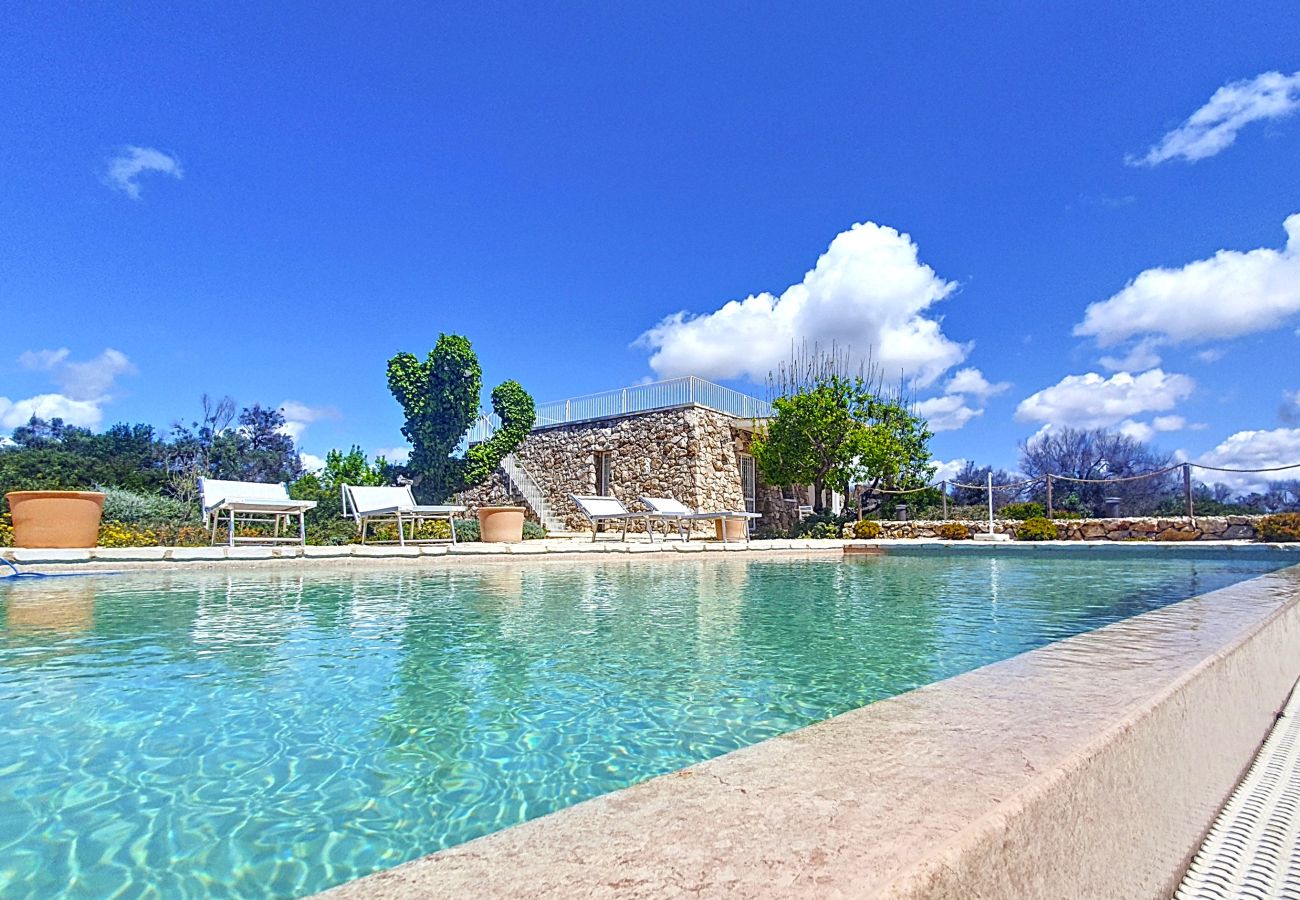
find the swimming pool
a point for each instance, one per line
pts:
(266, 733)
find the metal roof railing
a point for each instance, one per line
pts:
(639, 398)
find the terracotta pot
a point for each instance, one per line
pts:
(501, 524)
(55, 518)
(735, 529)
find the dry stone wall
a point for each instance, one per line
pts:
(689, 453)
(1202, 528)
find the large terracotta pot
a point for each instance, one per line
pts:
(55, 518)
(501, 524)
(735, 529)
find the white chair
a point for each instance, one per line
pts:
(252, 502)
(666, 509)
(606, 509)
(370, 505)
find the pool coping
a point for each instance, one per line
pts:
(1049, 774)
(134, 558)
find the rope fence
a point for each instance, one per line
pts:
(1048, 479)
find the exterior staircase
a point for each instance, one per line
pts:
(520, 482)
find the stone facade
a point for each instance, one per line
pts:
(689, 453)
(1202, 528)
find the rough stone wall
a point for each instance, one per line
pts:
(1203, 528)
(688, 453)
(777, 511)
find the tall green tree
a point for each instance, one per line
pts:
(440, 399)
(833, 428)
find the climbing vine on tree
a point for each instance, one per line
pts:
(440, 397)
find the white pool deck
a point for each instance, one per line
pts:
(1092, 767)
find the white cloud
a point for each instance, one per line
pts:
(398, 456)
(1230, 294)
(946, 471)
(1091, 401)
(972, 381)
(946, 413)
(297, 416)
(1213, 128)
(124, 169)
(84, 387)
(84, 413)
(311, 462)
(1253, 450)
(962, 400)
(1140, 357)
(1139, 431)
(868, 292)
(1169, 423)
(1212, 355)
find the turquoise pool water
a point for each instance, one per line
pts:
(263, 734)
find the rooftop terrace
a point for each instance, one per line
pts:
(639, 398)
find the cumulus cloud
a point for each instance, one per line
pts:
(1213, 128)
(1230, 294)
(311, 462)
(946, 413)
(1141, 356)
(946, 471)
(868, 291)
(124, 169)
(399, 456)
(972, 381)
(84, 413)
(1253, 450)
(1092, 401)
(84, 387)
(962, 400)
(298, 416)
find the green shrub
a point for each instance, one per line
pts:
(1037, 528)
(820, 525)
(146, 510)
(533, 531)
(1280, 528)
(1064, 514)
(467, 530)
(866, 530)
(1021, 511)
(953, 531)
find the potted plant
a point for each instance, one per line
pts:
(440, 397)
(55, 519)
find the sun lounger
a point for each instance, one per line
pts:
(252, 502)
(668, 510)
(396, 505)
(605, 509)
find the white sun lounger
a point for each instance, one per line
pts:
(666, 509)
(251, 502)
(370, 505)
(606, 509)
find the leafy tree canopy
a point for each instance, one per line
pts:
(440, 398)
(832, 428)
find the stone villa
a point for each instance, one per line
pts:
(684, 438)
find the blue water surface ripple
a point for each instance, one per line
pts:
(255, 733)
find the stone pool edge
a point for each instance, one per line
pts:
(811, 811)
(144, 558)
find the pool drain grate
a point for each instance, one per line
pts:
(1253, 848)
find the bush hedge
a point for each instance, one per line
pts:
(866, 530)
(1279, 528)
(1038, 528)
(953, 531)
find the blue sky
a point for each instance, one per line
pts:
(269, 200)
